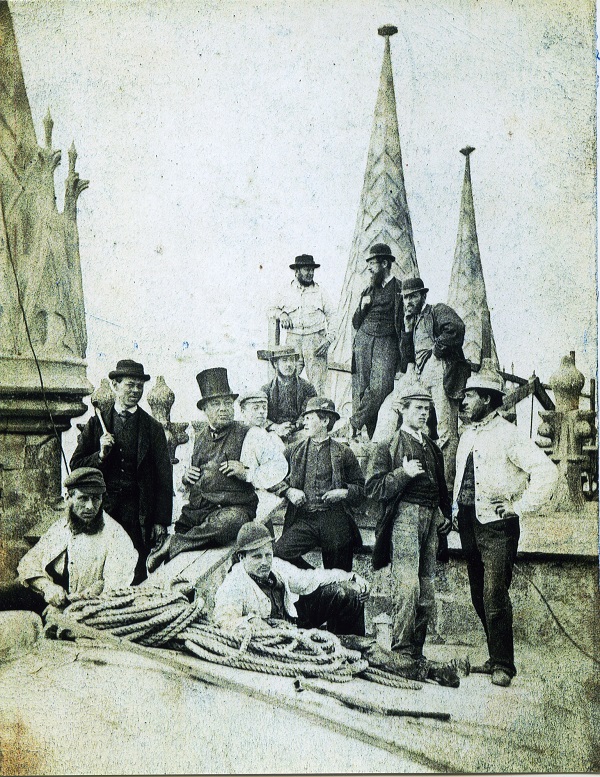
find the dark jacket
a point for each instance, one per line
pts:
(154, 468)
(388, 486)
(449, 336)
(346, 473)
(305, 391)
(360, 314)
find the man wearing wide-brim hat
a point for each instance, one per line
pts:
(433, 342)
(379, 324)
(84, 553)
(406, 475)
(129, 447)
(501, 475)
(287, 393)
(306, 314)
(229, 462)
(324, 486)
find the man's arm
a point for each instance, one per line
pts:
(121, 560)
(265, 461)
(449, 330)
(383, 482)
(352, 477)
(543, 474)
(362, 309)
(87, 452)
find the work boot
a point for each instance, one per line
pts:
(443, 674)
(485, 668)
(501, 677)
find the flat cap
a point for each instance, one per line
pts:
(88, 480)
(255, 395)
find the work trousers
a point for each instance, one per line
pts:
(414, 548)
(375, 362)
(491, 550)
(331, 530)
(341, 609)
(446, 411)
(316, 366)
(209, 526)
(15, 596)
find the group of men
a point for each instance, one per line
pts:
(120, 493)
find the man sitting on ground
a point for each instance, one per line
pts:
(85, 553)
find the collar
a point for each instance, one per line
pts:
(269, 581)
(416, 433)
(386, 281)
(475, 425)
(120, 409)
(319, 443)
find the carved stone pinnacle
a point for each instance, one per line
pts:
(387, 30)
(467, 150)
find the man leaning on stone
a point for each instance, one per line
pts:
(85, 553)
(131, 452)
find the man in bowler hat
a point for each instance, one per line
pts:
(229, 462)
(306, 314)
(129, 447)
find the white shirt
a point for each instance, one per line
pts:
(120, 409)
(308, 307)
(262, 453)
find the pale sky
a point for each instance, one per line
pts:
(224, 138)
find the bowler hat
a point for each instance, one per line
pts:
(410, 285)
(381, 251)
(127, 368)
(252, 536)
(213, 383)
(414, 390)
(304, 260)
(253, 395)
(88, 480)
(488, 378)
(321, 405)
(279, 351)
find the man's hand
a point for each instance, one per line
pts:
(52, 593)
(234, 469)
(323, 348)
(285, 322)
(412, 467)
(365, 301)
(283, 430)
(504, 508)
(157, 535)
(358, 584)
(295, 496)
(191, 476)
(106, 444)
(335, 495)
(445, 527)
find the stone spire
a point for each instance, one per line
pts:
(383, 217)
(467, 293)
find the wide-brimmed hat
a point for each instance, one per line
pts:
(321, 405)
(381, 251)
(127, 368)
(88, 480)
(253, 395)
(252, 536)
(213, 383)
(279, 351)
(488, 378)
(410, 285)
(304, 260)
(414, 390)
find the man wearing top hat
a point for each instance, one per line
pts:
(433, 342)
(406, 474)
(306, 314)
(376, 356)
(85, 553)
(500, 475)
(229, 462)
(287, 393)
(129, 447)
(324, 485)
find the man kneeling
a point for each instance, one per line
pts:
(260, 588)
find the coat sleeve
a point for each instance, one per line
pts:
(449, 331)
(47, 549)
(119, 567)
(352, 477)
(305, 581)
(384, 483)
(267, 465)
(543, 474)
(231, 608)
(87, 452)
(163, 478)
(360, 313)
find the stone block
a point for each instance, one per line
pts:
(12, 451)
(19, 632)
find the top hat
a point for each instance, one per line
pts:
(213, 383)
(304, 260)
(410, 285)
(488, 378)
(381, 251)
(127, 368)
(279, 351)
(414, 390)
(257, 396)
(88, 480)
(252, 536)
(321, 405)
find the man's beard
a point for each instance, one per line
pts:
(78, 526)
(304, 282)
(378, 278)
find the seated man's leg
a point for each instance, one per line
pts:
(219, 528)
(14, 596)
(301, 537)
(335, 604)
(336, 538)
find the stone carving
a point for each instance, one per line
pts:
(161, 399)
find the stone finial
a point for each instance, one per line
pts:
(72, 158)
(161, 399)
(387, 30)
(48, 126)
(567, 383)
(103, 393)
(467, 150)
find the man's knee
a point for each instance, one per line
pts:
(231, 520)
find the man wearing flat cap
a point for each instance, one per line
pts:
(406, 474)
(376, 356)
(324, 486)
(85, 553)
(260, 590)
(130, 449)
(306, 314)
(229, 462)
(434, 340)
(287, 394)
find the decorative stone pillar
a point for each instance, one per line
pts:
(161, 399)
(565, 430)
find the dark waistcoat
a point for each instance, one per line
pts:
(208, 454)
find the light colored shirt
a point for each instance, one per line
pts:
(308, 307)
(107, 556)
(120, 409)
(262, 453)
(416, 433)
(508, 467)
